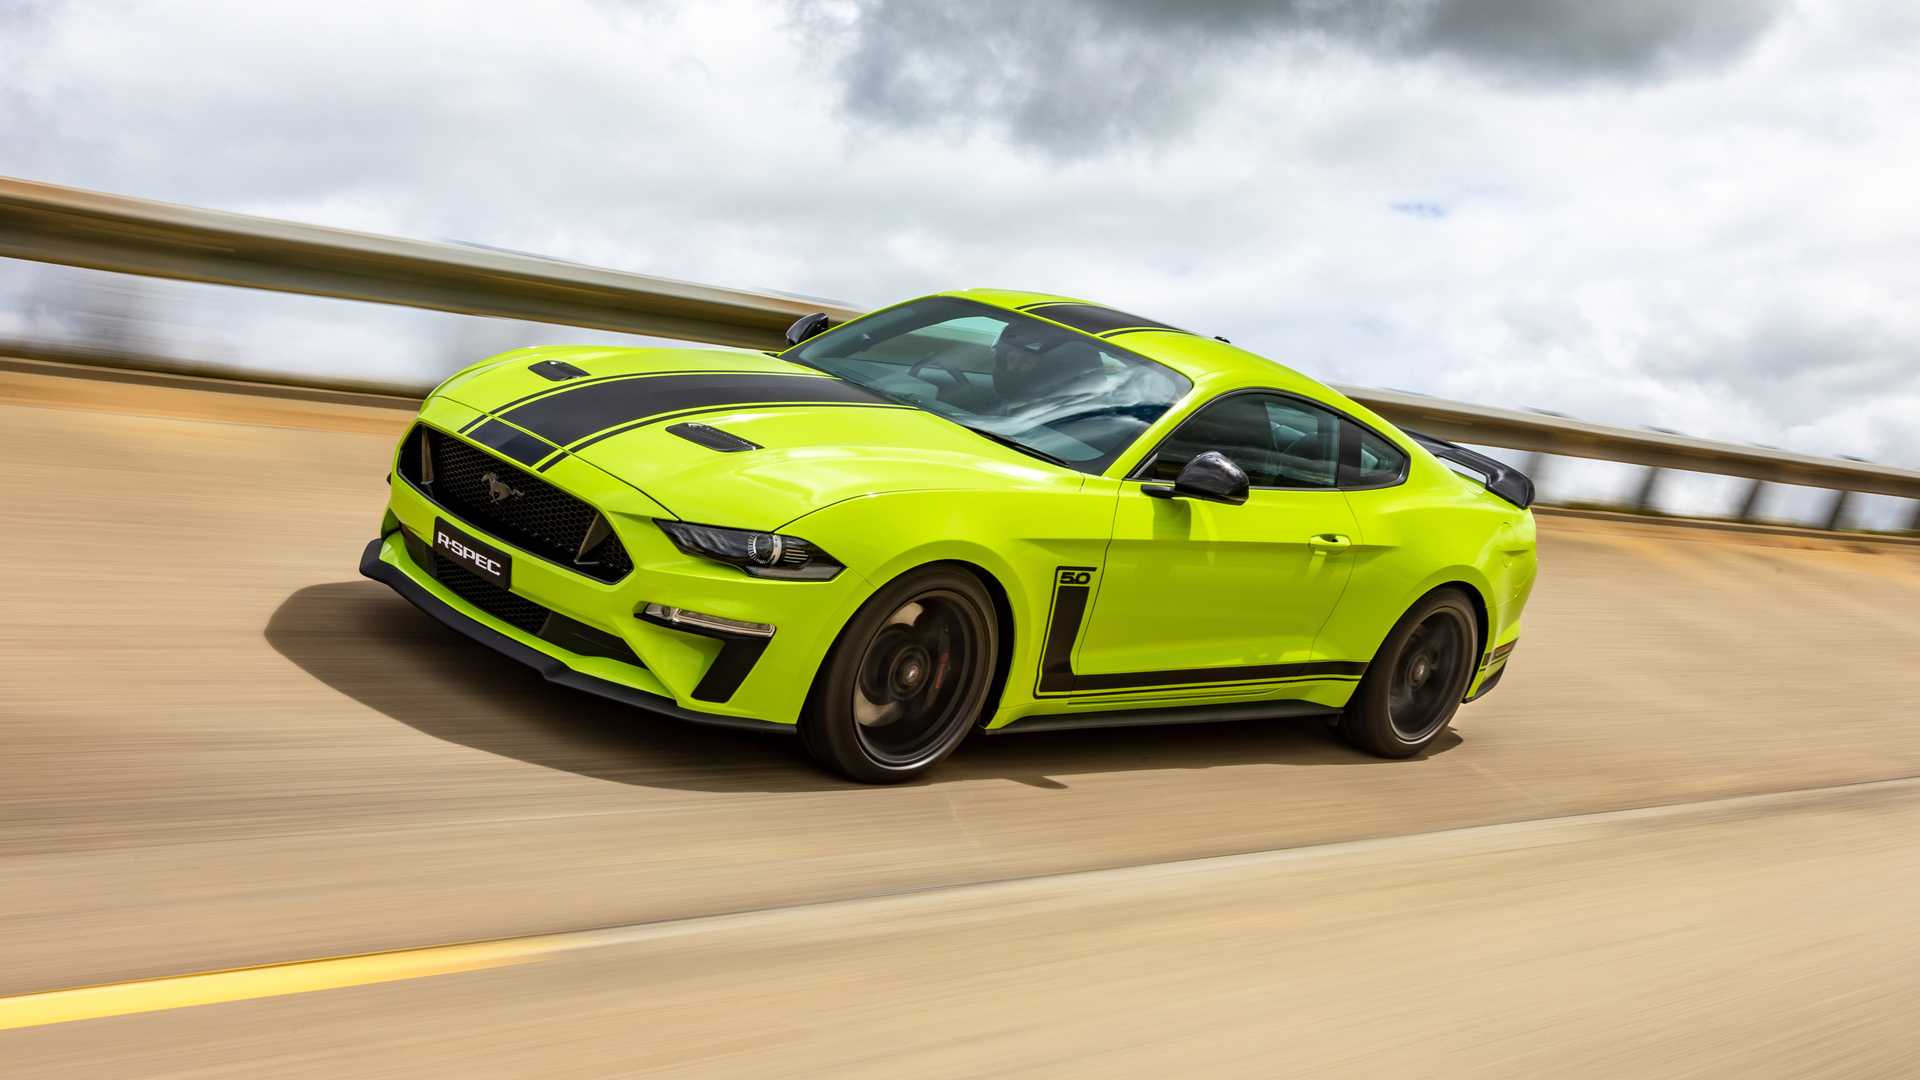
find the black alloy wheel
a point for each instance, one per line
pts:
(1423, 675)
(1417, 678)
(907, 678)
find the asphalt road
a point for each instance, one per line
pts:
(219, 747)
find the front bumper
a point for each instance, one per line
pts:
(379, 562)
(703, 674)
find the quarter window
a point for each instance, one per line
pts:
(1371, 460)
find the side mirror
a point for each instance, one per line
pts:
(1211, 476)
(807, 326)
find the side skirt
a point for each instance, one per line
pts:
(1185, 714)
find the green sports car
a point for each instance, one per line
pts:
(977, 510)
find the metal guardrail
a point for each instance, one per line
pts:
(46, 223)
(1659, 451)
(50, 224)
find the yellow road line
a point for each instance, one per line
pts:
(307, 976)
(272, 980)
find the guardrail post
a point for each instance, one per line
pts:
(1914, 525)
(1838, 515)
(1750, 506)
(1649, 487)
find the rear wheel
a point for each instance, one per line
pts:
(906, 679)
(1416, 680)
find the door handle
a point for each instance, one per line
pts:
(1329, 542)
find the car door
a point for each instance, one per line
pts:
(1196, 593)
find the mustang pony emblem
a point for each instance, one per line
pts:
(499, 490)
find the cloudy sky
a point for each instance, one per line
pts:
(1693, 214)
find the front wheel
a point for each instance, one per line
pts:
(1416, 680)
(906, 679)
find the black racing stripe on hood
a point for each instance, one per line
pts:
(549, 391)
(510, 441)
(1092, 318)
(683, 414)
(571, 415)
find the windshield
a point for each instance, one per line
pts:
(1058, 394)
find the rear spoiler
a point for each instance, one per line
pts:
(1502, 479)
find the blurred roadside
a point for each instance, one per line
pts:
(62, 312)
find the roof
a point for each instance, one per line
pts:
(1214, 365)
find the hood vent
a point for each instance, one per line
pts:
(557, 370)
(713, 438)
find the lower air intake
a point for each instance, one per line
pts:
(517, 611)
(509, 607)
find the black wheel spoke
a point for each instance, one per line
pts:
(1428, 676)
(913, 668)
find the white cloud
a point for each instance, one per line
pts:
(1695, 221)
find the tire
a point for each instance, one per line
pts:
(1416, 680)
(905, 680)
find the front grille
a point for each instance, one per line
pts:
(513, 504)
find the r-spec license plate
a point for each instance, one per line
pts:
(482, 558)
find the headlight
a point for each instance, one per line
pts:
(768, 555)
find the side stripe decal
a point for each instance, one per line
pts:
(1073, 589)
(1497, 655)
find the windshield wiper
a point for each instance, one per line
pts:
(1015, 444)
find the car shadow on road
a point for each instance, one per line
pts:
(366, 643)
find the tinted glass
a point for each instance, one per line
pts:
(1278, 442)
(1372, 461)
(1054, 392)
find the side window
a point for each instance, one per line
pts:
(1279, 442)
(1306, 445)
(1370, 461)
(1236, 426)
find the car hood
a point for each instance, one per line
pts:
(725, 437)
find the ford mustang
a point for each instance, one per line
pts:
(976, 511)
